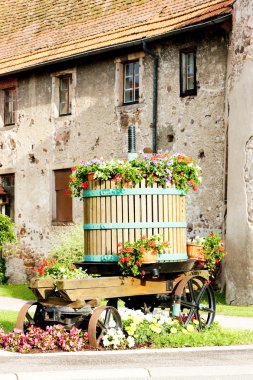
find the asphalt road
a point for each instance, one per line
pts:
(200, 363)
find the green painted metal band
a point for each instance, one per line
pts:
(101, 258)
(172, 256)
(176, 310)
(115, 258)
(112, 226)
(134, 191)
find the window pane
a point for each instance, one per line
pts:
(129, 83)
(9, 96)
(136, 95)
(187, 71)
(64, 106)
(128, 96)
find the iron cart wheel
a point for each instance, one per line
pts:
(102, 319)
(29, 315)
(195, 300)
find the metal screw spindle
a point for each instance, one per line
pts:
(131, 139)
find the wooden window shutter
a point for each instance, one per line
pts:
(63, 202)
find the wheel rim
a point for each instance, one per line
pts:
(101, 320)
(197, 301)
(27, 315)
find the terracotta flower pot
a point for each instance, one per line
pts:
(91, 176)
(195, 251)
(148, 257)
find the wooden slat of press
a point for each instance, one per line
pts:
(131, 217)
(177, 219)
(94, 212)
(174, 213)
(155, 209)
(170, 219)
(137, 214)
(103, 233)
(125, 217)
(161, 213)
(119, 211)
(143, 208)
(108, 234)
(114, 220)
(93, 218)
(85, 221)
(165, 216)
(98, 232)
(183, 215)
(149, 212)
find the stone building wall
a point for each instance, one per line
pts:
(238, 266)
(41, 142)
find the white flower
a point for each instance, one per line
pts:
(130, 341)
(62, 270)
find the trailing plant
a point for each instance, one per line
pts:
(131, 254)
(177, 170)
(56, 270)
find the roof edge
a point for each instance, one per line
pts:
(110, 48)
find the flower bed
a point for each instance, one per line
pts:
(177, 170)
(139, 330)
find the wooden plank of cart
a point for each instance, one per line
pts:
(113, 216)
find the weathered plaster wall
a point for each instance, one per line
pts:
(239, 264)
(41, 142)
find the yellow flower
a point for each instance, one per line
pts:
(190, 328)
(184, 331)
(195, 322)
(173, 330)
(155, 329)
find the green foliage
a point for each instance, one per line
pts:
(56, 270)
(178, 170)
(214, 251)
(131, 254)
(7, 232)
(213, 336)
(3, 278)
(70, 248)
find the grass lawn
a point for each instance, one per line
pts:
(8, 320)
(17, 291)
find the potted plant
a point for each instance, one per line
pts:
(177, 170)
(210, 252)
(144, 250)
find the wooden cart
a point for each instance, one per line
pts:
(175, 286)
(117, 215)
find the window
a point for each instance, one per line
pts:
(188, 73)
(131, 82)
(63, 212)
(7, 182)
(9, 106)
(64, 95)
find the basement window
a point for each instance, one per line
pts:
(131, 82)
(188, 84)
(63, 202)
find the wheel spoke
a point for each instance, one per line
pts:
(108, 315)
(201, 293)
(190, 286)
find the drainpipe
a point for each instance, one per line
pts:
(155, 93)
